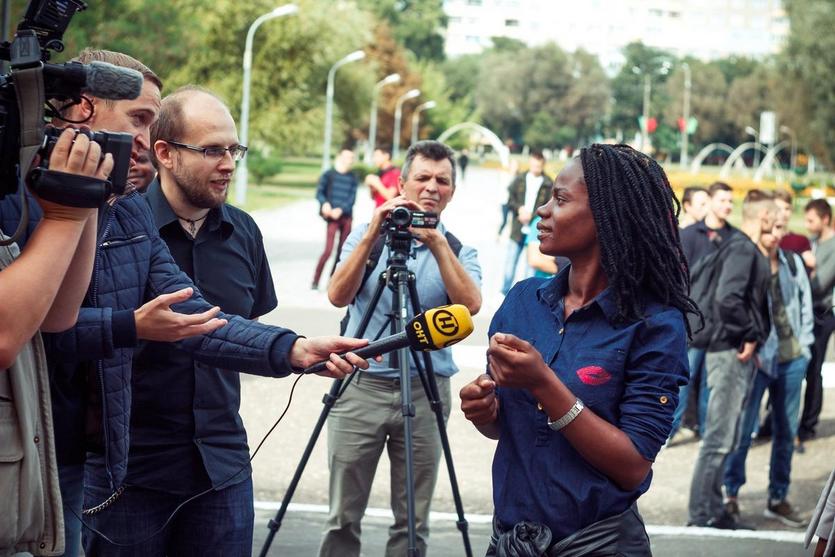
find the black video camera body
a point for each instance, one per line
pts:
(32, 82)
(396, 229)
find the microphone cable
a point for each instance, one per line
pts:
(112, 499)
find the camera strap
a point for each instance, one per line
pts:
(29, 88)
(31, 97)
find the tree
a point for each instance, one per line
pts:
(417, 24)
(806, 66)
(708, 100)
(628, 85)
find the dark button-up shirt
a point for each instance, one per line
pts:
(186, 433)
(628, 374)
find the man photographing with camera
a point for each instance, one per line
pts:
(40, 288)
(367, 416)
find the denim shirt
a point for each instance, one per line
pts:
(628, 374)
(796, 293)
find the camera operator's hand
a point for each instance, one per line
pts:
(75, 153)
(157, 321)
(309, 351)
(382, 212)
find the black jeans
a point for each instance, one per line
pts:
(813, 399)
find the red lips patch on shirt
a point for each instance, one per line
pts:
(593, 375)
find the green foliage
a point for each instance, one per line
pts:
(806, 66)
(628, 85)
(262, 166)
(541, 87)
(417, 24)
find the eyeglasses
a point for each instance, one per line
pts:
(213, 153)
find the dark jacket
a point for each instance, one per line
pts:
(516, 200)
(338, 189)
(741, 303)
(133, 266)
(697, 240)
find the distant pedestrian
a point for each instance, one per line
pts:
(694, 205)
(383, 184)
(740, 322)
(512, 169)
(819, 224)
(781, 368)
(798, 243)
(463, 161)
(336, 193)
(526, 192)
(698, 240)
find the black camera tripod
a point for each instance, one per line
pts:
(401, 281)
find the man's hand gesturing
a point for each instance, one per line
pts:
(157, 321)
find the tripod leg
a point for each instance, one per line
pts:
(328, 400)
(408, 413)
(427, 376)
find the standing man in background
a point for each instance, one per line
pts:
(383, 184)
(336, 193)
(525, 193)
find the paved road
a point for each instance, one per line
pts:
(294, 237)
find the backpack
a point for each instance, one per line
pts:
(374, 258)
(704, 280)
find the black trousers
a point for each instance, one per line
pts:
(622, 535)
(813, 399)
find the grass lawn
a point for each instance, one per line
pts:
(297, 180)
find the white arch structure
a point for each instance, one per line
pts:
(708, 149)
(768, 160)
(737, 155)
(495, 142)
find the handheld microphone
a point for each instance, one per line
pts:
(99, 79)
(433, 329)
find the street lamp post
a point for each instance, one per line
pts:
(398, 113)
(788, 131)
(326, 145)
(752, 131)
(685, 114)
(665, 67)
(372, 126)
(242, 175)
(416, 118)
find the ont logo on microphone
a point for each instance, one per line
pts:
(445, 323)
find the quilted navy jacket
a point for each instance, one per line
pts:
(133, 266)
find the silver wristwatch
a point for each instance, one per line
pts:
(572, 413)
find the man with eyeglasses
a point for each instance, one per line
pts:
(139, 294)
(186, 436)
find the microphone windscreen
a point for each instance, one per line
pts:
(107, 81)
(439, 327)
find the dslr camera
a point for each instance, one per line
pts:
(397, 224)
(28, 94)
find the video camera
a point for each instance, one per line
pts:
(27, 93)
(396, 229)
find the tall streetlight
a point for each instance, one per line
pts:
(326, 145)
(416, 118)
(398, 113)
(665, 67)
(372, 126)
(752, 131)
(685, 114)
(241, 176)
(788, 131)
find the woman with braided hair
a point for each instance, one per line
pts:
(584, 369)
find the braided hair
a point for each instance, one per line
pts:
(636, 212)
